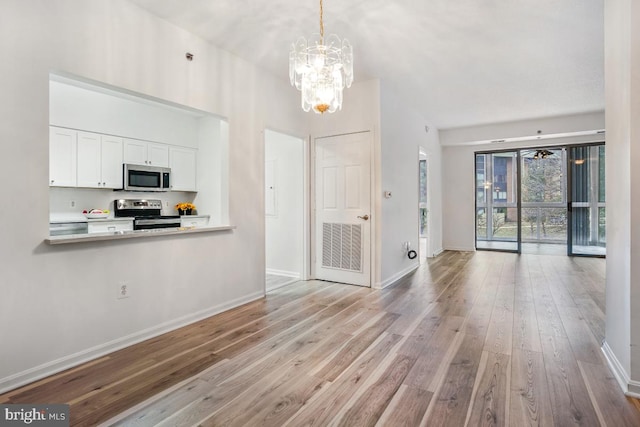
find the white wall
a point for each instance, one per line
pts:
(457, 203)
(360, 112)
(104, 111)
(631, 94)
(284, 225)
(402, 134)
(61, 301)
(459, 182)
(550, 126)
(212, 170)
(622, 83)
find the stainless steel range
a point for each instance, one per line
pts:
(146, 214)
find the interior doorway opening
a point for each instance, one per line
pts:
(284, 209)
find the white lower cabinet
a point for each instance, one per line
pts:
(194, 221)
(110, 226)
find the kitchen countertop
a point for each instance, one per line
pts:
(65, 221)
(117, 235)
(62, 220)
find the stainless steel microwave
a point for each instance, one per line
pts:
(146, 178)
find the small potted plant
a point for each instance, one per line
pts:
(185, 208)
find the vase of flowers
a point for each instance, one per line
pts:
(185, 208)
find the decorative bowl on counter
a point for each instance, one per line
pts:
(96, 213)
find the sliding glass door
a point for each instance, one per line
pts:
(497, 212)
(587, 211)
(541, 200)
(544, 200)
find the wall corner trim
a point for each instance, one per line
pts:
(53, 367)
(629, 387)
(399, 275)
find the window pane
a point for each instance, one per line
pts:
(601, 182)
(481, 179)
(602, 231)
(481, 224)
(496, 201)
(540, 224)
(588, 196)
(542, 178)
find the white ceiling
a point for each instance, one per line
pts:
(458, 62)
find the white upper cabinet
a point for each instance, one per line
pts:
(158, 154)
(111, 166)
(135, 151)
(182, 162)
(93, 160)
(99, 160)
(89, 160)
(62, 157)
(146, 153)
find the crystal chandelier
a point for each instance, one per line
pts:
(320, 68)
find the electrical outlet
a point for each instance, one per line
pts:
(406, 245)
(72, 204)
(124, 290)
(166, 204)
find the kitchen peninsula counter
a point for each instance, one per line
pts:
(135, 234)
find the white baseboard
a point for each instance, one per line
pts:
(634, 389)
(294, 274)
(436, 253)
(629, 387)
(38, 372)
(399, 275)
(460, 248)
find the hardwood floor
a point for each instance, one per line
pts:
(275, 281)
(479, 338)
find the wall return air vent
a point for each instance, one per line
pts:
(342, 246)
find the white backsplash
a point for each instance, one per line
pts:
(61, 198)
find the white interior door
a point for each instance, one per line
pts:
(343, 209)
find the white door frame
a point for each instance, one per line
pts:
(422, 155)
(312, 204)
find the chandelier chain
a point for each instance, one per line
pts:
(321, 25)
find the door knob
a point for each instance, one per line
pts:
(365, 217)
